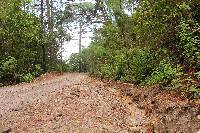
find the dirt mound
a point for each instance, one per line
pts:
(166, 111)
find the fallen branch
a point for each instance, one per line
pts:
(196, 30)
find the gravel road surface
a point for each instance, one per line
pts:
(72, 103)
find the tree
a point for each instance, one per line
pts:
(83, 15)
(42, 36)
(26, 41)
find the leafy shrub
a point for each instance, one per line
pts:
(37, 70)
(188, 43)
(198, 74)
(164, 73)
(74, 62)
(97, 56)
(8, 70)
(27, 77)
(113, 66)
(9, 65)
(62, 67)
(138, 65)
(107, 71)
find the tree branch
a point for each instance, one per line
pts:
(196, 30)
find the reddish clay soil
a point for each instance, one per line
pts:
(76, 103)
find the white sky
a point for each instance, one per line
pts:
(72, 46)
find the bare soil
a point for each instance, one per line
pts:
(76, 103)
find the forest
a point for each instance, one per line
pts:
(147, 42)
(144, 42)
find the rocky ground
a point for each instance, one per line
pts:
(76, 103)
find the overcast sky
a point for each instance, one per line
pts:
(72, 46)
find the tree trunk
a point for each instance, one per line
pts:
(48, 14)
(42, 32)
(80, 46)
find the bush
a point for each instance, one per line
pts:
(62, 67)
(9, 65)
(74, 62)
(164, 73)
(8, 70)
(198, 74)
(189, 44)
(9, 73)
(27, 77)
(97, 56)
(113, 67)
(138, 65)
(37, 70)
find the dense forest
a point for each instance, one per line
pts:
(29, 45)
(144, 42)
(147, 42)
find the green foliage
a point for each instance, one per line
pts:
(112, 69)
(27, 78)
(157, 44)
(8, 70)
(198, 74)
(27, 49)
(98, 56)
(9, 65)
(139, 65)
(74, 62)
(189, 43)
(37, 70)
(62, 67)
(164, 73)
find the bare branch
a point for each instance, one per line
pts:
(196, 30)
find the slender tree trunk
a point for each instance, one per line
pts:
(42, 32)
(49, 31)
(49, 4)
(53, 42)
(80, 46)
(48, 14)
(34, 7)
(61, 55)
(61, 40)
(61, 43)
(51, 17)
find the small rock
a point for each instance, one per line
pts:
(6, 130)
(72, 93)
(198, 117)
(59, 115)
(15, 109)
(130, 103)
(198, 131)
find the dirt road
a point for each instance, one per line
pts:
(76, 103)
(69, 103)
